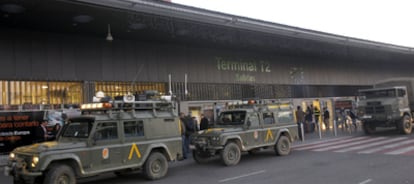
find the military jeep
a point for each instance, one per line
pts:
(246, 127)
(118, 137)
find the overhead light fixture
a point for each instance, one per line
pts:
(45, 87)
(109, 35)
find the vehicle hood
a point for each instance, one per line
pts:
(218, 131)
(49, 146)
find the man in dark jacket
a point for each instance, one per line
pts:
(41, 132)
(203, 122)
(184, 135)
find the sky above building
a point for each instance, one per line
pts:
(387, 21)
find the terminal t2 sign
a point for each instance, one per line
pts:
(246, 67)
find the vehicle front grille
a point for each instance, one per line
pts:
(378, 109)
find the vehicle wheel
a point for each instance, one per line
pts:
(282, 147)
(156, 166)
(60, 174)
(369, 128)
(405, 125)
(200, 157)
(231, 154)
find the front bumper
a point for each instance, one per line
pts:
(17, 169)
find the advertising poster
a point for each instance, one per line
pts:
(18, 128)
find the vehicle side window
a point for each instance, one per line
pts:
(134, 128)
(254, 120)
(401, 93)
(285, 117)
(106, 131)
(268, 118)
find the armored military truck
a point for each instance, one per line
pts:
(389, 104)
(246, 126)
(118, 136)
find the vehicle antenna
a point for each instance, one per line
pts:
(136, 76)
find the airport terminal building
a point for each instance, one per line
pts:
(62, 52)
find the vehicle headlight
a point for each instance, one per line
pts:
(35, 160)
(12, 156)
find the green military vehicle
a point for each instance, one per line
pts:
(246, 127)
(390, 103)
(117, 136)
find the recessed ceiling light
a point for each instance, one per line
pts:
(82, 18)
(12, 8)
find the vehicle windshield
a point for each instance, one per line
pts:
(77, 130)
(378, 93)
(232, 118)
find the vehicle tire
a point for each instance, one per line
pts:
(156, 166)
(405, 126)
(231, 154)
(369, 128)
(282, 146)
(60, 174)
(200, 158)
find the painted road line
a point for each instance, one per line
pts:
(366, 181)
(400, 151)
(370, 145)
(242, 176)
(385, 147)
(330, 143)
(349, 144)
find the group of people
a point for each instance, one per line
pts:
(310, 118)
(189, 126)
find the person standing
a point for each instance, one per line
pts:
(316, 114)
(55, 131)
(183, 135)
(309, 119)
(300, 118)
(326, 117)
(203, 122)
(41, 133)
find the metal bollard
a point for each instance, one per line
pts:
(302, 132)
(335, 133)
(319, 129)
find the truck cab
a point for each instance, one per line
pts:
(385, 107)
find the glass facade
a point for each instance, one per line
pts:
(56, 93)
(40, 92)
